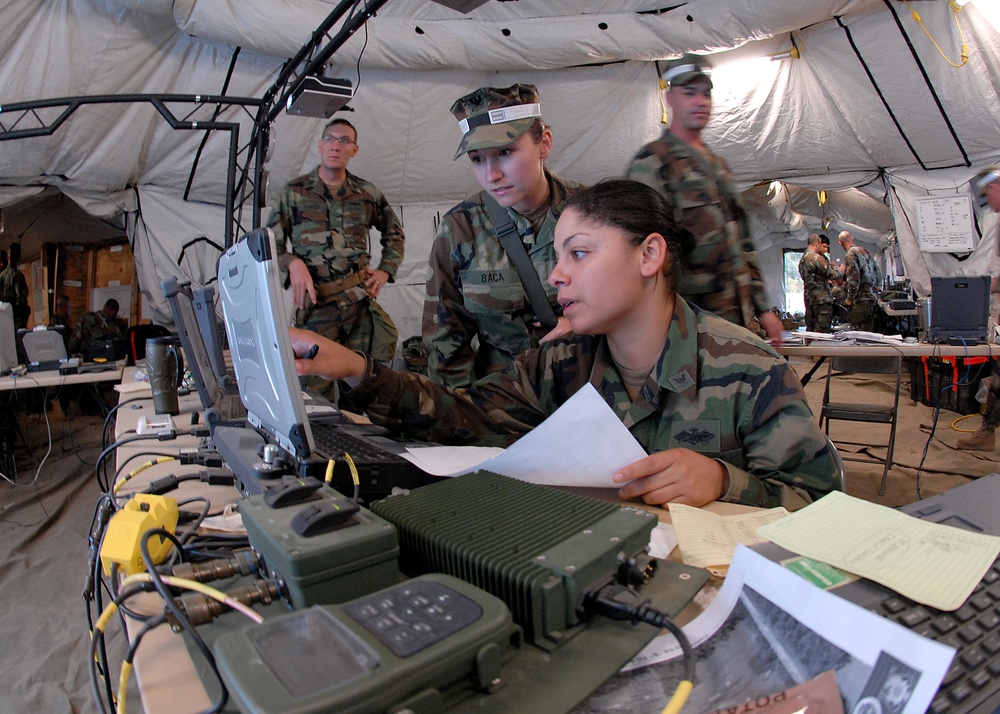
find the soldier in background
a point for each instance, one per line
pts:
(985, 190)
(474, 292)
(325, 215)
(862, 283)
(62, 315)
(723, 274)
(14, 288)
(816, 272)
(98, 326)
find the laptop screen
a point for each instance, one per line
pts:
(178, 295)
(259, 345)
(44, 345)
(960, 308)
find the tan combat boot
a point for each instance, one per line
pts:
(982, 440)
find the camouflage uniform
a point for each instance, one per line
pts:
(330, 234)
(858, 289)
(717, 390)
(474, 290)
(721, 273)
(817, 273)
(14, 289)
(94, 326)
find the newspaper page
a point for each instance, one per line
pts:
(768, 630)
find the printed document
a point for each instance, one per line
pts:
(768, 630)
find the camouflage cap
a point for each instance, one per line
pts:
(686, 69)
(491, 117)
(978, 184)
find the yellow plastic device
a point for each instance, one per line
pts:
(127, 526)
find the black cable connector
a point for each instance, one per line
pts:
(219, 477)
(104, 510)
(201, 457)
(621, 602)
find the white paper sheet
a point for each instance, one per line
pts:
(582, 444)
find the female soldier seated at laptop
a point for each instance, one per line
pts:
(721, 414)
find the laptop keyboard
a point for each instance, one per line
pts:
(972, 684)
(334, 442)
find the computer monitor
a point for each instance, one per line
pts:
(960, 309)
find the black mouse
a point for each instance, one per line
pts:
(323, 517)
(291, 490)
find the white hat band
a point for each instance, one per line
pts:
(501, 116)
(677, 71)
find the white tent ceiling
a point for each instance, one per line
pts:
(872, 111)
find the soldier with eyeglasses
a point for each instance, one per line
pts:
(325, 216)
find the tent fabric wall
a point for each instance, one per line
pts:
(787, 128)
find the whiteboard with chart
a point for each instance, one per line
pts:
(944, 225)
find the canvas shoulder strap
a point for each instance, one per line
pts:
(510, 240)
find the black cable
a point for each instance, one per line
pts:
(178, 614)
(621, 602)
(96, 637)
(207, 505)
(111, 413)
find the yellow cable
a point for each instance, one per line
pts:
(329, 472)
(123, 686)
(965, 431)
(965, 46)
(108, 613)
(354, 469)
(680, 697)
(140, 469)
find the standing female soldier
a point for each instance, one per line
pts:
(474, 290)
(720, 413)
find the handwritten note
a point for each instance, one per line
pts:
(708, 540)
(933, 564)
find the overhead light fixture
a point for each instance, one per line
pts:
(791, 54)
(957, 5)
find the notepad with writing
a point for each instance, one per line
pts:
(708, 540)
(934, 564)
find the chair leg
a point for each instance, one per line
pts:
(888, 457)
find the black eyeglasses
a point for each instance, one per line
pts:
(342, 140)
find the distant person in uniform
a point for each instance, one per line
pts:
(985, 190)
(14, 288)
(720, 412)
(862, 283)
(816, 272)
(100, 325)
(477, 316)
(723, 274)
(326, 216)
(62, 315)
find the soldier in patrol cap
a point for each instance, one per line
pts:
(325, 215)
(719, 412)
(474, 291)
(723, 272)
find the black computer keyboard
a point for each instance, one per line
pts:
(331, 440)
(972, 684)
